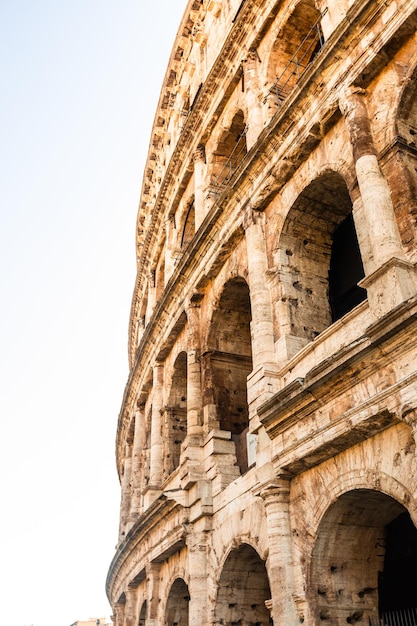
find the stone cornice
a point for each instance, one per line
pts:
(331, 378)
(133, 553)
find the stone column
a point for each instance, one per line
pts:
(276, 497)
(119, 614)
(199, 185)
(392, 278)
(170, 236)
(157, 446)
(209, 405)
(137, 458)
(197, 565)
(255, 119)
(263, 349)
(194, 395)
(151, 295)
(126, 490)
(131, 617)
(153, 576)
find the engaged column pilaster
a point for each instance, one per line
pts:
(391, 280)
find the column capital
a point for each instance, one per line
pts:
(199, 155)
(276, 490)
(352, 103)
(251, 216)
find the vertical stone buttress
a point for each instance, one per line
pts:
(262, 382)
(137, 462)
(255, 120)
(194, 397)
(263, 349)
(192, 457)
(169, 247)
(276, 499)
(156, 460)
(391, 279)
(199, 159)
(153, 588)
(197, 564)
(131, 617)
(118, 616)
(151, 295)
(126, 490)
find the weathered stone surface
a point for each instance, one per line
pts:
(266, 440)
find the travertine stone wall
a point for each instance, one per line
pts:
(266, 440)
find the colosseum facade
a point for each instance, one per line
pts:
(266, 443)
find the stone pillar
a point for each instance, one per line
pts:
(197, 566)
(255, 119)
(194, 395)
(141, 328)
(131, 617)
(199, 185)
(157, 446)
(151, 295)
(276, 499)
(209, 405)
(170, 240)
(263, 349)
(126, 490)
(137, 462)
(392, 278)
(118, 617)
(153, 576)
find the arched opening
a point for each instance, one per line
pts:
(229, 153)
(298, 42)
(364, 563)
(177, 604)
(346, 270)
(189, 226)
(320, 262)
(231, 363)
(176, 415)
(142, 615)
(243, 590)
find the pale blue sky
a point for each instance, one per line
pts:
(80, 82)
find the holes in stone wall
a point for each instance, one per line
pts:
(320, 264)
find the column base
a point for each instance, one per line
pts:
(389, 286)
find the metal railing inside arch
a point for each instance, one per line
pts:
(221, 179)
(399, 617)
(310, 46)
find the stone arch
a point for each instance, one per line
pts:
(229, 151)
(298, 41)
(176, 611)
(176, 414)
(142, 614)
(357, 557)
(243, 590)
(317, 285)
(228, 363)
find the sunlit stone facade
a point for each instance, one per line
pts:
(266, 439)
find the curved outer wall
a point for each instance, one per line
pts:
(266, 440)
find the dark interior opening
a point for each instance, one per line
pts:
(346, 270)
(397, 585)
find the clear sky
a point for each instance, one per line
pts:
(80, 81)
